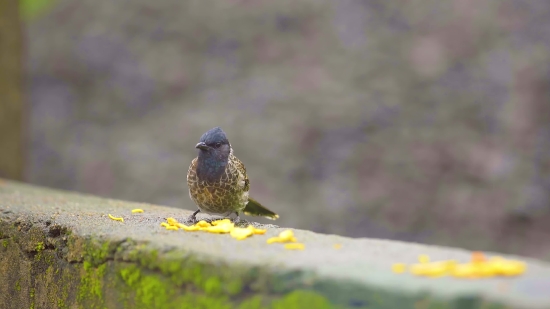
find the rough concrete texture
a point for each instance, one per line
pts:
(422, 121)
(60, 250)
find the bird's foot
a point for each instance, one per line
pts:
(240, 222)
(237, 219)
(193, 217)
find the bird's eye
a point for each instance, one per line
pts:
(217, 145)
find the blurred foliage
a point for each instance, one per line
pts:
(32, 8)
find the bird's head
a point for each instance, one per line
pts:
(214, 143)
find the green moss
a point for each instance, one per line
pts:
(150, 290)
(61, 303)
(39, 246)
(212, 285)
(254, 302)
(201, 301)
(90, 290)
(153, 290)
(49, 259)
(18, 285)
(301, 299)
(66, 283)
(32, 298)
(233, 287)
(5, 243)
(96, 253)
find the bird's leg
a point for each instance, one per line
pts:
(193, 216)
(238, 219)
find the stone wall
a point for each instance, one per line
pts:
(61, 250)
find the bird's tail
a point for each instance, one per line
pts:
(253, 208)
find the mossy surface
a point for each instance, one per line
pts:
(80, 259)
(139, 276)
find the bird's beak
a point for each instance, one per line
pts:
(201, 146)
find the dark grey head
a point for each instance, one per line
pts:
(214, 150)
(214, 140)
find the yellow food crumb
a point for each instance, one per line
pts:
(172, 221)
(203, 223)
(478, 257)
(273, 240)
(295, 246)
(219, 229)
(116, 218)
(240, 233)
(435, 269)
(423, 258)
(337, 246)
(137, 210)
(284, 236)
(287, 235)
(255, 230)
(478, 267)
(399, 268)
(217, 222)
(188, 228)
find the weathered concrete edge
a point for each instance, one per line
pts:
(58, 268)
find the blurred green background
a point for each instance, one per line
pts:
(424, 121)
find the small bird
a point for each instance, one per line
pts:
(217, 180)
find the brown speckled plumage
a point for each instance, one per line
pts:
(217, 180)
(224, 196)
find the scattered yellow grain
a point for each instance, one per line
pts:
(203, 223)
(241, 233)
(478, 267)
(219, 229)
(508, 267)
(137, 210)
(399, 268)
(287, 235)
(116, 218)
(423, 258)
(435, 269)
(255, 230)
(284, 236)
(172, 221)
(188, 228)
(217, 222)
(295, 246)
(478, 257)
(273, 240)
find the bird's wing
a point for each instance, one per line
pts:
(254, 208)
(242, 170)
(192, 169)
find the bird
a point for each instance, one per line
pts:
(217, 180)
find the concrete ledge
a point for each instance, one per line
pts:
(60, 250)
